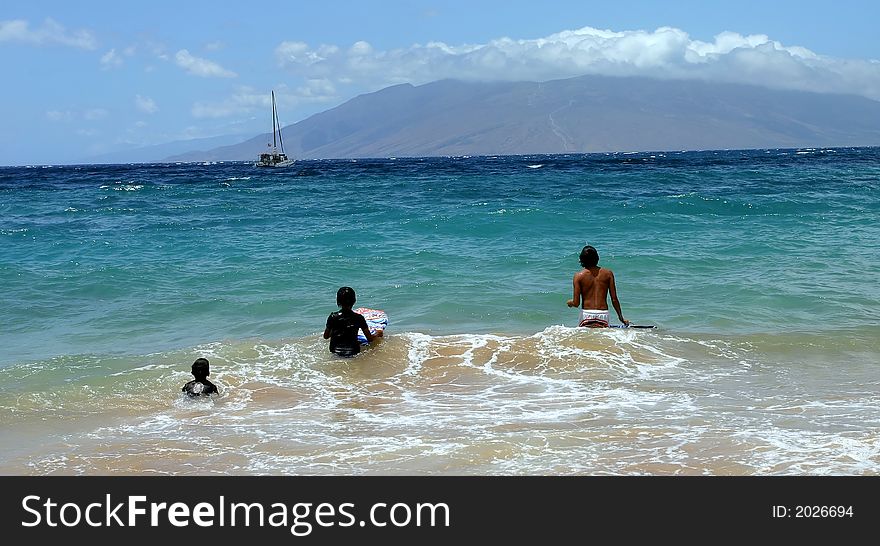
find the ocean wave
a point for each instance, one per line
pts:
(525, 210)
(123, 187)
(562, 400)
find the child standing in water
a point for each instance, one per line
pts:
(592, 285)
(200, 385)
(343, 325)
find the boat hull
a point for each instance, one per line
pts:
(277, 164)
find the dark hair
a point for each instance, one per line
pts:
(200, 367)
(589, 256)
(345, 297)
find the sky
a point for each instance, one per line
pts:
(88, 77)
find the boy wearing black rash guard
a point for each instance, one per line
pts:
(200, 385)
(343, 325)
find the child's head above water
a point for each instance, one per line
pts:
(200, 369)
(200, 385)
(589, 257)
(345, 297)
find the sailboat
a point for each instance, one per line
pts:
(274, 158)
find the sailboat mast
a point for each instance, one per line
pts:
(274, 120)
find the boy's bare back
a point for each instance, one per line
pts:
(592, 284)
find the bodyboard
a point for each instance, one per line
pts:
(600, 324)
(376, 320)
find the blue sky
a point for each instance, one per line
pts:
(90, 77)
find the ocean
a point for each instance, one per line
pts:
(759, 268)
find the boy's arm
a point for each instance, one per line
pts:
(327, 329)
(614, 301)
(575, 300)
(366, 329)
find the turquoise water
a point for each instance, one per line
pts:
(752, 263)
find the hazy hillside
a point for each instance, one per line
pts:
(586, 114)
(149, 154)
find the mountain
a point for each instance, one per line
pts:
(584, 114)
(150, 154)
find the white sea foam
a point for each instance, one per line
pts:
(562, 400)
(123, 187)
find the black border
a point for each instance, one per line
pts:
(518, 510)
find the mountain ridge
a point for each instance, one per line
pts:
(576, 115)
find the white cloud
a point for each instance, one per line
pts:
(145, 104)
(95, 114)
(158, 49)
(201, 67)
(58, 115)
(299, 53)
(318, 89)
(246, 99)
(214, 46)
(111, 59)
(667, 53)
(51, 32)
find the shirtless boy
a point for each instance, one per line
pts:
(591, 287)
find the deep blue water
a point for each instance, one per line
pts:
(138, 258)
(760, 268)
